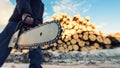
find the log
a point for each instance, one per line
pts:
(100, 33)
(73, 41)
(81, 27)
(85, 32)
(13, 50)
(91, 32)
(108, 46)
(63, 37)
(81, 43)
(70, 48)
(99, 39)
(70, 26)
(61, 49)
(89, 28)
(55, 16)
(25, 50)
(79, 31)
(55, 44)
(45, 47)
(93, 25)
(78, 21)
(67, 38)
(68, 43)
(64, 19)
(85, 37)
(100, 48)
(76, 47)
(81, 19)
(96, 45)
(65, 26)
(92, 48)
(87, 18)
(92, 37)
(74, 24)
(64, 15)
(72, 31)
(65, 46)
(84, 22)
(54, 48)
(84, 28)
(80, 36)
(75, 36)
(76, 17)
(84, 49)
(76, 27)
(87, 43)
(60, 41)
(107, 41)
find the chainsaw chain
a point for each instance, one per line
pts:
(37, 45)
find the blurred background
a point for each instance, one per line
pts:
(104, 13)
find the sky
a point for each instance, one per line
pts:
(105, 13)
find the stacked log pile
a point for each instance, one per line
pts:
(81, 35)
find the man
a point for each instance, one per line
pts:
(30, 12)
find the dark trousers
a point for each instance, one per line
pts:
(34, 55)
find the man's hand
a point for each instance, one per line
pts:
(27, 18)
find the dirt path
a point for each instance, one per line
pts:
(104, 65)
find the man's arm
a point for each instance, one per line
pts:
(23, 6)
(24, 9)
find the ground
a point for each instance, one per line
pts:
(93, 59)
(66, 65)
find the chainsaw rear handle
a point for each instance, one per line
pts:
(36, 21)
(22, 23)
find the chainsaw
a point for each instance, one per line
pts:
(31, 38)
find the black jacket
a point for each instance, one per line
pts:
(34, 7)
